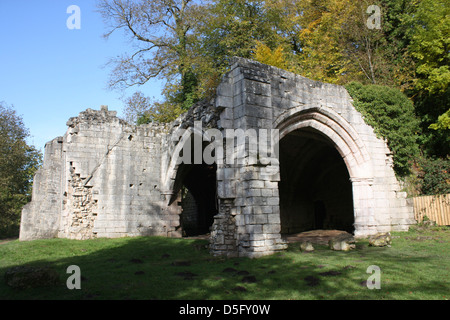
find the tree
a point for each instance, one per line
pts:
(321, 56)
(140, 109)
(337, 42)
(395, 16)
(371, 56)
(429, 45)
(240, 28)
(435, 176)
(234, 28)
(162, 40)
(136, 106)
(430, 107)
(18, 164)
(443, 122)
(274, 58)
(428, 27)
(161, 112)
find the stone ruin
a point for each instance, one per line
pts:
(107, 178)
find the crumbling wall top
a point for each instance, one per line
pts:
(95, 116)
(203, 110)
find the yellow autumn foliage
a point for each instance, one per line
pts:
(268, 56)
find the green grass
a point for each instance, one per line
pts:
(415, 267)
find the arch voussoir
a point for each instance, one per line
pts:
(332, 126)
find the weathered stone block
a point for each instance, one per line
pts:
(271, 228)
(306, 246)
(254, 228)
(256, 219)
(380, 240)
(343, 242)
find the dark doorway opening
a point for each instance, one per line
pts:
(319, 214)
(199, 199)
(315, 188)
(197, 184)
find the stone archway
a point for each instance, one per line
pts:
(198, 198)
(325, 154)
(192, 185)
(315, 188)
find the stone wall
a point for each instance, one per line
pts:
(112, 177)
(253, 95)
(41, 217)
(107, 178)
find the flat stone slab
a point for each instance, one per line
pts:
(321, 237)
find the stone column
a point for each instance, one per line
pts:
(363, 207)
(258, 224)
(255, 170)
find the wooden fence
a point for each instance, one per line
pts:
(436, 208)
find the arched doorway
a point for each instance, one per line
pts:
(194, 186)
(315, 188)
(325, 158)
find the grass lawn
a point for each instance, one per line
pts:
(417, 266)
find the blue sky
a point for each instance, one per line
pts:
(50, 72)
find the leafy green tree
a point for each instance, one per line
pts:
(396, 28)
(336, 43)
(429, 34)
(321, 56)
(429, 107)
(18, 164)
(232, 28)
(236, 28)
(443, 122)
(161, 112)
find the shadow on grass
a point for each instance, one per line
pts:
(154, 268)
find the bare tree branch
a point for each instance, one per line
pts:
(163, 25)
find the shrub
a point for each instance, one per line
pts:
(391, 114)
(435, 176)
